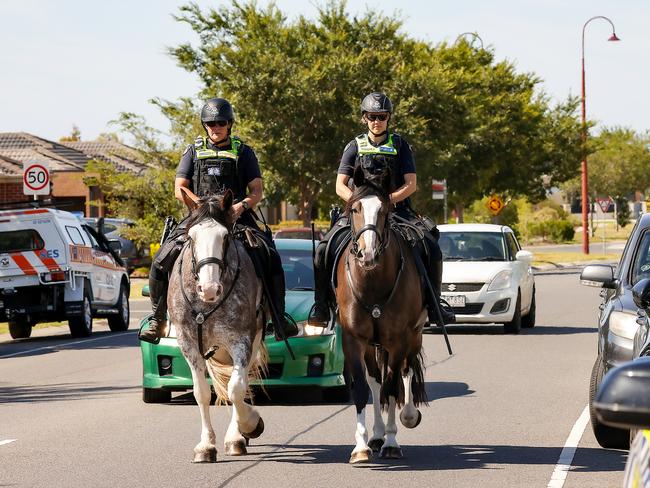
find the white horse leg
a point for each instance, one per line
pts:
(205, 451)
(409, 416)
(391, 449)
(245, 421)
(378, 427)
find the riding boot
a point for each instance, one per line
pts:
(157, 322)
(319, 315)
(435, 277)
(287, 324)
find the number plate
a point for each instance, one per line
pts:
(455, 300)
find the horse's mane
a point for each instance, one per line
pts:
(368, 188)
(211, 206)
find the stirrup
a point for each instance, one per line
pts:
(320, 323)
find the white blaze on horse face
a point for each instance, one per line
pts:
(371, 207)
(208, 238)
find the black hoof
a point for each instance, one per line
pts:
(375, 444)
(209, 456)
(256, 432)
(391, 453)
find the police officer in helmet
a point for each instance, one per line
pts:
(374, 150)
(213, 164)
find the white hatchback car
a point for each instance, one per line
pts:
(486, 276)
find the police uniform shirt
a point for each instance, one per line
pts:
(248, 167)
(405, 158)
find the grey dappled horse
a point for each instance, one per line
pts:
(215, 303)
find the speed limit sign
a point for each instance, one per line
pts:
(36, 178)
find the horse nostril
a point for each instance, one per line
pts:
(219, 289)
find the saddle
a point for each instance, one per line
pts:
(257, 246)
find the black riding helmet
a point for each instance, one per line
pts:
(376, 102)
(216, 109)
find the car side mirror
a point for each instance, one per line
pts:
(145, 291)
(598, 275)
(641, 293)
(115, 245)
(524, 256)
(623, 398)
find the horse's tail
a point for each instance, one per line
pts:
(221, 373)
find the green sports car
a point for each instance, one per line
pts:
(319, 354)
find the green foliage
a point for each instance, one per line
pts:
(622, 211)
(551, 230)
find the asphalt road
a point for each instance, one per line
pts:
(500, 413)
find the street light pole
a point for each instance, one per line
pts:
(584, 176)
(474, 35)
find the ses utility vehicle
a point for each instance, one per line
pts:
(53, 267)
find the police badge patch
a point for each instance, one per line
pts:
(214, 171)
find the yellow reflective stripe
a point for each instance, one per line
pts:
(226, 154)
(206, 153)
(366, 148)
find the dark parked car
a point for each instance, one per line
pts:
(618, 321)
(132, 255)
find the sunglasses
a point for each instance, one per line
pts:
(373, 117)
(214, 123)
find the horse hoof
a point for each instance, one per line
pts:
(207, 456)
(235, 448)
(361, 457)
(391, 452)
(408, 422)
(256, 432)
(375, 444)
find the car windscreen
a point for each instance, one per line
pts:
(298, 269)
(472, 246)
(20, 240)
(641, 266)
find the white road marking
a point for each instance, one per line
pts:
(566, 456)
(65, 344)
(7, 441)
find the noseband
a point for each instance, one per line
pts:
(382, 239)
(196, 266)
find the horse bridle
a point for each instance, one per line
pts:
(381, 238)
(198, 316)
(196, 266)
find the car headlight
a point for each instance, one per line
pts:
(310, 330)
(623, 324)
(501, 281)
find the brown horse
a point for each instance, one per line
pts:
(215, 304)
(381, 310)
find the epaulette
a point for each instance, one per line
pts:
(199, 142)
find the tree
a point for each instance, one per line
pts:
(75, 135)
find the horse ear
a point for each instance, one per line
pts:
(190, 200)
(358, 178)
(226, 201)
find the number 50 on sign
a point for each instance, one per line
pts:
(36, 178)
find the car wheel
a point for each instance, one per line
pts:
(156, 395)
(20, 329)
(82, 325)
(608, 437)
(120, 321)
(514, 326)
(528, 320)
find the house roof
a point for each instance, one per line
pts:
(17, 147)
(21, 146)
(125, 158)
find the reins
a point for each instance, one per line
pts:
(198, 316)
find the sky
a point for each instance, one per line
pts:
(82, 62)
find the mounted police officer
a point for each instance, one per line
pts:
(213, 164)
(374, 151)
